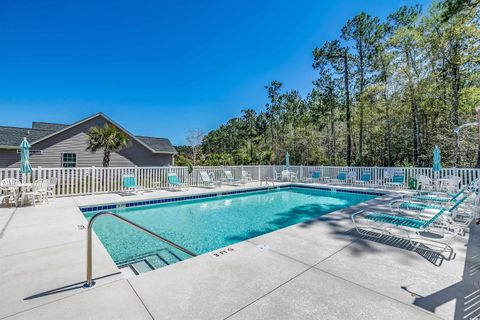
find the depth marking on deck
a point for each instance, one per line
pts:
(222, 252)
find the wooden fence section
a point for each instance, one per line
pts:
(91, 180)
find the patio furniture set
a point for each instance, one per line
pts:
(14, 191)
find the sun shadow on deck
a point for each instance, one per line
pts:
(466, 292)
(70, 287)
(389, 240)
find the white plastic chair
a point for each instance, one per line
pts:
(424, 183)
(38, 191)
(246, 177)
(52, 182)
(453, 183)
(11, 185)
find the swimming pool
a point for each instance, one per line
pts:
(204, 225)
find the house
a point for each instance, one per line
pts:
(59, 145)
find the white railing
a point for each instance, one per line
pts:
(91, 180)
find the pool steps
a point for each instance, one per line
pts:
(148, 262)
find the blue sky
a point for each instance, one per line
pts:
(160, 68)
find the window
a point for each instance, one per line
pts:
(69, 160)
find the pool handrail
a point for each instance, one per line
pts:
(89, 282)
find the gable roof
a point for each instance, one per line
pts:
(11, 137)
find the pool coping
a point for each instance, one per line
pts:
(218, 193)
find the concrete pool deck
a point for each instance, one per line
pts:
(320, 269)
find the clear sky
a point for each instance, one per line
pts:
(160, 68)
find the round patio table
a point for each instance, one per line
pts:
(440, 183)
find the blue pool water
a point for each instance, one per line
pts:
(207, 224)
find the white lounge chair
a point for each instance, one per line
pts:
(230, 179)
(366, 178)
(415, 230)
(396, 180)
(316, 176)
(207, 181)
(174, 183)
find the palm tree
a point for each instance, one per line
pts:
(109, 138)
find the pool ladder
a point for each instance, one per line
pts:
(89, 282)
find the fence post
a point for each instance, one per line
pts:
(259, 173)
(301, 172)
(94, 180)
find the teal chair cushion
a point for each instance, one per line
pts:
(173, 180)
(129, 181)
(395, 220)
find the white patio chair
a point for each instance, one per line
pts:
(424, 183)
(278, 175)
(10, 186)
(351, 177)
(293, 176)
(246, 177)
(37, 192)
(52, 183)
(453, 183)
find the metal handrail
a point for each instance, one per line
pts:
(90, 281)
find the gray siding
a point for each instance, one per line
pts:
(74, 140)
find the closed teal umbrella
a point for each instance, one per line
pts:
(437, 165)
(25, 166)
(287, 161)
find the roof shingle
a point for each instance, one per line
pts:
(158, 144)
(12, 136)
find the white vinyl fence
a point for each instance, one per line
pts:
(91, 180)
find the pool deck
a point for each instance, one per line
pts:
(320, 269)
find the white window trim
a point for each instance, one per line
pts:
(76, 159)
(32, 152)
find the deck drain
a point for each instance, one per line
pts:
(80, 227)
(263, 247)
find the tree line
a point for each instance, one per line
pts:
(387, 92)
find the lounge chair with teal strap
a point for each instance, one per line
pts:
(316, 176)
(411, 229)
(460, 214)
(397, 180)
(341, 178)
(366, 178)
(438, 198)
(129, 183)
(174, 183)
(207, 181)
(230, 179)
